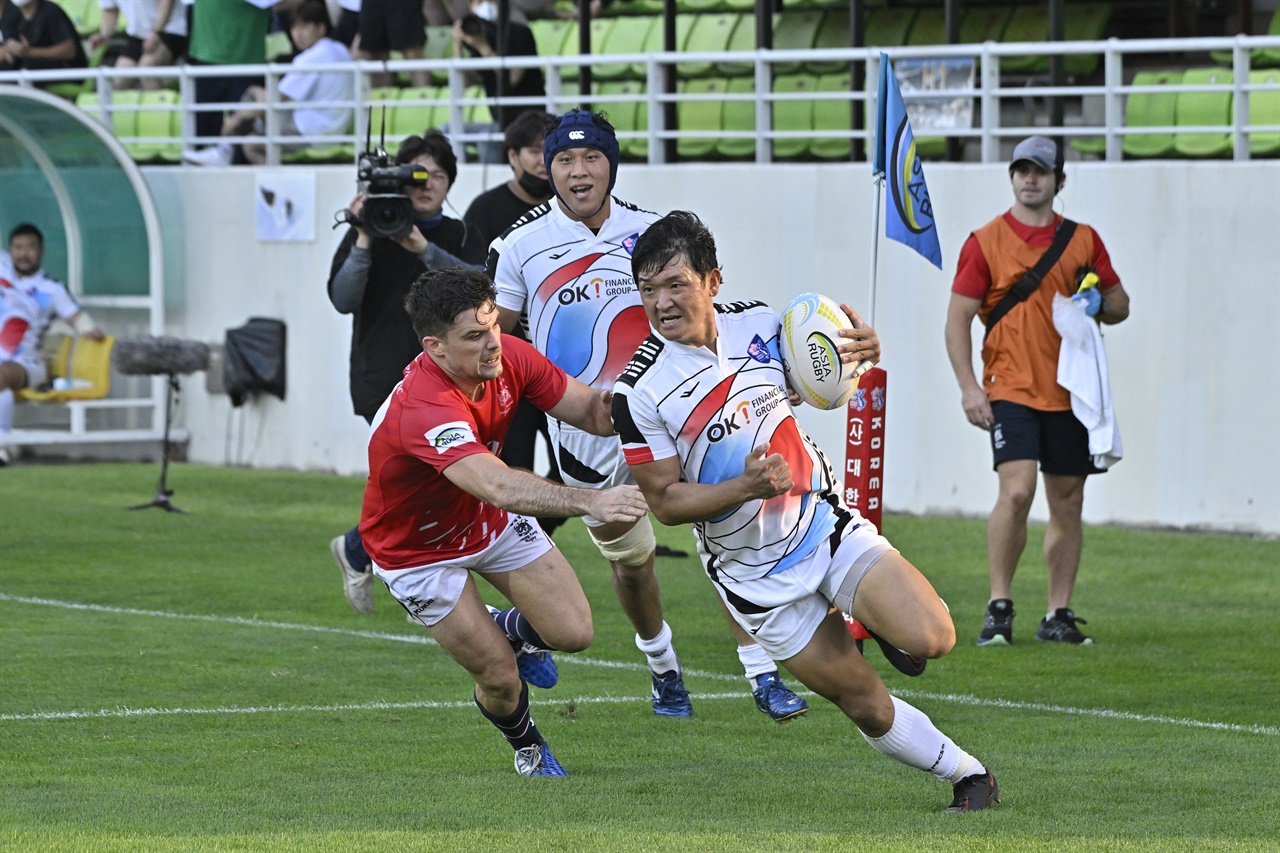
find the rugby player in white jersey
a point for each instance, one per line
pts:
(707, 426)
(21, 361)
(564, 270)
(441, 505)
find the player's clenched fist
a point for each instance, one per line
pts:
(766, 475)
(621, 503)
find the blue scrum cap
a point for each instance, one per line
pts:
(582, 129)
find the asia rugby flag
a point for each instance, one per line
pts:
(909, 213)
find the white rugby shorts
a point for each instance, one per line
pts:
(431, 592)
(785, 630)
(598, 462)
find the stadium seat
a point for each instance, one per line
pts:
(117, 115)
(739, 116)
(654, 42)
(1264, 109)
(439, 46)
(86, 362)
(833, 115)
(1151, 109)
(702, 7)
(699, 116)
(160, 118)
(709, 33)
(929, 27)
(625, 116)
(1204, 109)
(793, 115)
(1262, 57)
(1084, 22)
(86, 15)
(627, 35)
(550, 33)
(742, 39)
(409, 119)
(984, 23)
(795, 30)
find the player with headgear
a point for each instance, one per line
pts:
(564, 270)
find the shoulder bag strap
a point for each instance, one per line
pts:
(1031, 278)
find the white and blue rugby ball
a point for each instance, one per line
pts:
(810, 334)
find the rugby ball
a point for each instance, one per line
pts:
(810, 334)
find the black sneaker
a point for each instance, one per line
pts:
(974, 793)
(907, 664)
(1061, 628)
(997, 625)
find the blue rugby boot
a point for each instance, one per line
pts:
(776, 700)
(670, 697)
(537, 760)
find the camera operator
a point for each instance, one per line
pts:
(370, 278)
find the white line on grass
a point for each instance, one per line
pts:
(957, 698)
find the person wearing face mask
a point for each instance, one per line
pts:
(369, 280)
(44, 38)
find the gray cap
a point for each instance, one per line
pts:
(1039, 150)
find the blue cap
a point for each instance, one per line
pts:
(582, 129)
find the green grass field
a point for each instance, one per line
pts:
(198, 682)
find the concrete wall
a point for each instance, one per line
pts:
(1194, 369)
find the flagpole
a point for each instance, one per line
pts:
(878, 180)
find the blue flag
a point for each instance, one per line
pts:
(908, 210)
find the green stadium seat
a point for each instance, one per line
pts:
(439, 46)
(886, 27)
(748, 6)
(1151, 109)
(929, 27)
(833, 115)
(1201, 109)
(699, 116)
(795, 30)
(701, 7)
(743, 38)
(1264, 109)
(164, 121)
(277, 45)
(984, 23)
(654, 42)
(710, 33)
(739, 116)
(625, 116)
(409, 119)
(793, 115)
(550, 33)
(86, 15)
(1084, 22)
(627, 35)
(122, 122)
(1262, 57)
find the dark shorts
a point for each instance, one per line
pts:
(1057, 439)
(131, 46)
(347, 27)
(392, 25)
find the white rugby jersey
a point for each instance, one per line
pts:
(710, 409)
(50, 299)
(578, 301)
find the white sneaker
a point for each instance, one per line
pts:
(6, 455)
(356, 585)
(214, 155)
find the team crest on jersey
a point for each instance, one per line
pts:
(630, 243)
(859, 401)
(758, 350)
(449, 435)
(504, 398)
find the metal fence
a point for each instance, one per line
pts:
(989, 95)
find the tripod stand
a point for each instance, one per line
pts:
(163, 492)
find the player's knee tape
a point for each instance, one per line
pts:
(631, 548)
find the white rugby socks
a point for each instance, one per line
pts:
(661, 655)
(755, 662)
(914, 740)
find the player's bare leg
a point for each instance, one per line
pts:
(831, 666)
(634, 583)
(1064, 536)
(1007, 525)
(897, 602)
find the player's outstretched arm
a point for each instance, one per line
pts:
(488, 478)
(585, 408)
(675, 501)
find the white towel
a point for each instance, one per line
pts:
(1082, 370)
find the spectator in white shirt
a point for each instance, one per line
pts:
(310, 33)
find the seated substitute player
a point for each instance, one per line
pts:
(563, 272)
(777, 541)
(440, 504)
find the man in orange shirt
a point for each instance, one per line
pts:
(1018, 399)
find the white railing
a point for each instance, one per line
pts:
(455, 98)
